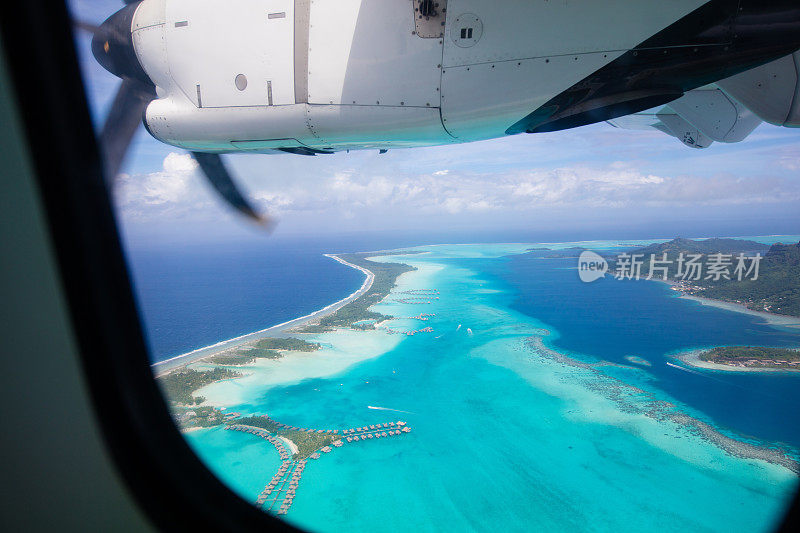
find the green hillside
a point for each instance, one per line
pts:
(776, 290)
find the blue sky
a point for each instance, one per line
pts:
(591, 182)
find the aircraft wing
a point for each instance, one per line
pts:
(729, 110)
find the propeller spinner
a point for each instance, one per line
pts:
(112, 47)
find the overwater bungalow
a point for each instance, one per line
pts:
(370, 435)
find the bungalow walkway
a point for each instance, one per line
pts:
(278, 495)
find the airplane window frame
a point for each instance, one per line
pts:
(167, 479)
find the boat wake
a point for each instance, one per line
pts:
(725, 381)
(388, 409)
(679, 367)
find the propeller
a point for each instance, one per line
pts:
(112, 47)
(219, 177)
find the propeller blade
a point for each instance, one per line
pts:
(220, 178)
(121, 123)
(86, 26)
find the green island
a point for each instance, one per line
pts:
(350, 315)
(267, 348)
(179, 385)
(678, 246)
(307, 441)
(776, 290)
(549, 253)
(197, 417)
(752, 356)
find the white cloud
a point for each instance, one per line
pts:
(454, 193)
(368, 191)
(173, 190)
(181, 163)
(789, 158)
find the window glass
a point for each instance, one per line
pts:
(592, 328)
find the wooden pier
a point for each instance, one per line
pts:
(278, 495)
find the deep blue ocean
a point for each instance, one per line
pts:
(610, 319)
(541, 440)
(194, 296)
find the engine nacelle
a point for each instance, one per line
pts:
(258, 75)
(254, 75)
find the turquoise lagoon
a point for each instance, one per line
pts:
(525, 413)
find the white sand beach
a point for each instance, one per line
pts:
(292, 446)
(769, 318)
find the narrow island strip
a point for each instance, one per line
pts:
(184, 376)
(743, 359)
(386, 274)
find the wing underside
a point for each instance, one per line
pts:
(729, 110)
